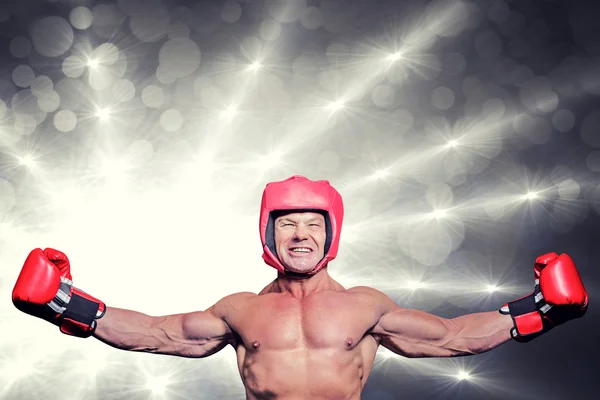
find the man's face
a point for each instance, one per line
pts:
(300, 240)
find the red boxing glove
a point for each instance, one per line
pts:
(558, 296)
(45, 290)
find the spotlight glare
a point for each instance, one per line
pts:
(463, 375)
(414, 284)
(452, 143)
(27, 160)
(255, 66)
(336, 105)
(380, 174)
(439, 214)
(229, 112)
(92, 63)
(157, 385)
(491, 288)
(103, 113)
(385, 353)
(531, 196)
(394, 56)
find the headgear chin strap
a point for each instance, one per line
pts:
(300, 194)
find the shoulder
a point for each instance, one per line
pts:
(376, 297)
(231, 302)
(239, 297)
(367, 291)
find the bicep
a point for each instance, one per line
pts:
(200, 333)
(204, 333)
(210, 328)
(205, 326)
(196, 334)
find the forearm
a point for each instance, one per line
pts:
(479, 332)
(135, 331)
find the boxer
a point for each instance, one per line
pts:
(304, 336)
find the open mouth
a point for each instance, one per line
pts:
(300, 250)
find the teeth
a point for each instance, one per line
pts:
(301, 250)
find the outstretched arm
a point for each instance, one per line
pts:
(197, 334)
(558, 296)
(414, 333)
(45, 290)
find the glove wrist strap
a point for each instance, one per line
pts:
(78, 310)
(81, 310)
(527, 315)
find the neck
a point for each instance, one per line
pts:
(300, 286)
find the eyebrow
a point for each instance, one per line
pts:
(285, 219)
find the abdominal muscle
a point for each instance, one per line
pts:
(303, 373)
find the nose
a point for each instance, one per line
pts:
(300, 233)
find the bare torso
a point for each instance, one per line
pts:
(315, 347)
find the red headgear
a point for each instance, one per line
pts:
(300, 194)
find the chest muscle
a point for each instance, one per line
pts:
(279, 322)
